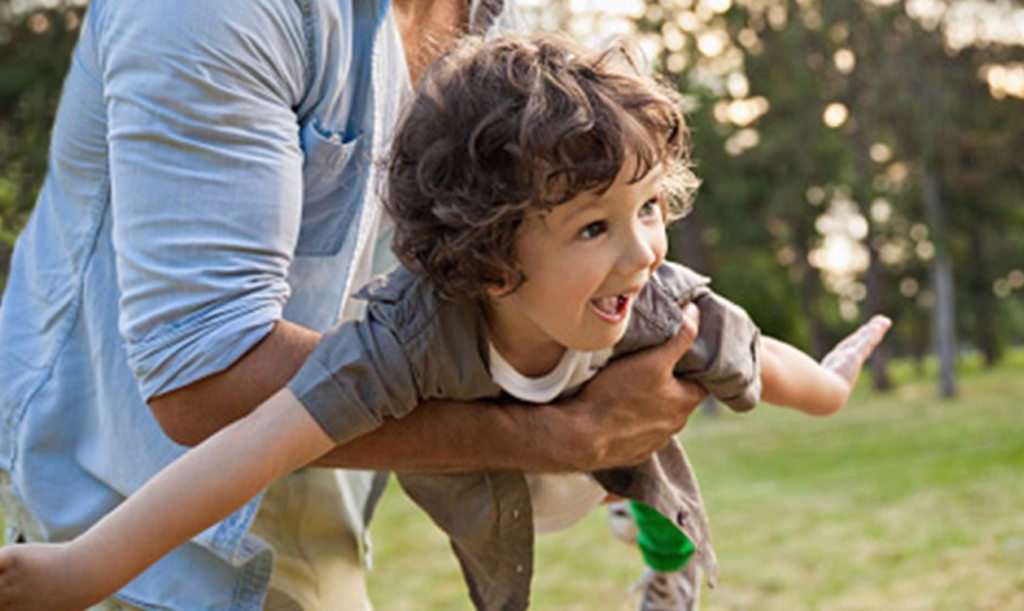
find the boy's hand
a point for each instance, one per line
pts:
(43, 576)
(791, 378)
(847, 358)
(634, 406)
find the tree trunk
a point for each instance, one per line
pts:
(941, 273)
(878, 364)
(810, 296)
(920, 345)
(874, 302)
(5, 266)
(982, 302)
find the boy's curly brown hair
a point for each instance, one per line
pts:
(500, 127)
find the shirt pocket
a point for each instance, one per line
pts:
(334, 177)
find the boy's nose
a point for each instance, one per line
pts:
(641, 252)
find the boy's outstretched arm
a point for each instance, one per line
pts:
(790, 378)
(199, 489)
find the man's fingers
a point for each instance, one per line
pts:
(697, 394)
(676, 347)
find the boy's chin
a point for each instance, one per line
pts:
(608, 340)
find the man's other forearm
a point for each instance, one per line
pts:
(452, 436)
(192, 413)
(436, 437)
(629, 410)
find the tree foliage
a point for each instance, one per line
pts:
(35, 49)
(862, 147)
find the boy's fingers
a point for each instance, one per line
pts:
(871, 334)
(880, 324)
(847, 358)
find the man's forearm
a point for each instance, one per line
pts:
(451, 436)
(443, 436)
(629, 410)
(192, 413)
(440, 436)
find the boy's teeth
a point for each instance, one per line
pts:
(608, 305)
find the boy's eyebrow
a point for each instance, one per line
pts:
(592, 199)
(582, 206)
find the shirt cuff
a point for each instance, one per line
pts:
(203, 345)
(331, 403)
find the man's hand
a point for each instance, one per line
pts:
(634, 406)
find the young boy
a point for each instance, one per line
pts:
(530, 182)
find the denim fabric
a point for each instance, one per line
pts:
(208, 174)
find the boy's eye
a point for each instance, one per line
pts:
(651, 207)
(592, 230)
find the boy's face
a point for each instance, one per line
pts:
(584, 262)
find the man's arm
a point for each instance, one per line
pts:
(206, 176)
(192, 413)
(629, 410)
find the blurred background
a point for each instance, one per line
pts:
(856, 157)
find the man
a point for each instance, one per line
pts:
(209, 207)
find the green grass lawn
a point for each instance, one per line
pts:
(900, 501)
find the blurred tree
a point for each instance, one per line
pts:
(985, 179)
(859, 144)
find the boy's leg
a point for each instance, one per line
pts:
(664, 547)
(671, 581)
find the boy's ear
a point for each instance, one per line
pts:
(500, 289)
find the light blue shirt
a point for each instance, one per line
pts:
(208, 174)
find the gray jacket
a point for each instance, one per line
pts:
(413, 346)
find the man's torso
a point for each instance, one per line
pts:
(77, 435)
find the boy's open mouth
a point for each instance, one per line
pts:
(611, 309)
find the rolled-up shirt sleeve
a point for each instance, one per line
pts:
(358, 375)
(725, 357)
(205, 177)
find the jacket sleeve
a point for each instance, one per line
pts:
(725, 357)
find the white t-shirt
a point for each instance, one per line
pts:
(559, 500)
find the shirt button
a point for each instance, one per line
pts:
(515, 514)
(519, 568)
